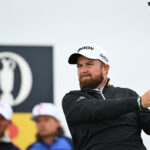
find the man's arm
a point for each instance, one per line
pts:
(78, 109)
(144, 114)
(144, 120)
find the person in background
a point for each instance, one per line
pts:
(5, 120)
(50, 134)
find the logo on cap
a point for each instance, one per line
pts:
(104, 58)
(85, 47)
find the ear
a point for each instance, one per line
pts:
(106, 68)
(8, 123)
(58, 123)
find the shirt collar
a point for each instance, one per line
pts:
(105, 85)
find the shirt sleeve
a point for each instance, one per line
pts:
(78, 109)
(144, 120)
(143, 116)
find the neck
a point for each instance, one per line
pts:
(102, 84)
(48, 140)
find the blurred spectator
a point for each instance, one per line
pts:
(50, 135)
(5, 120)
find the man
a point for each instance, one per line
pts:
(50, 134)
(101, 116)
(5, 120)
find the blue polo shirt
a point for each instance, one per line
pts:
(61, 143)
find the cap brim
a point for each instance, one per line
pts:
(4, 115)
(73, 58)
(34, 117)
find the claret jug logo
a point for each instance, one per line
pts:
(26, 79)
(9, 61)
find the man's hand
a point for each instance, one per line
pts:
(145, 99)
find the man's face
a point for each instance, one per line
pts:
(3, 124)
(90, 72)
(47, 125)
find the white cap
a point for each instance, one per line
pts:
(6, 110)
(91, 51)
(47, 109)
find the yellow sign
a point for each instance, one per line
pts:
(22, 131)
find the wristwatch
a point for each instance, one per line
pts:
(139, 103)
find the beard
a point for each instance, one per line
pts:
(90, 82)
